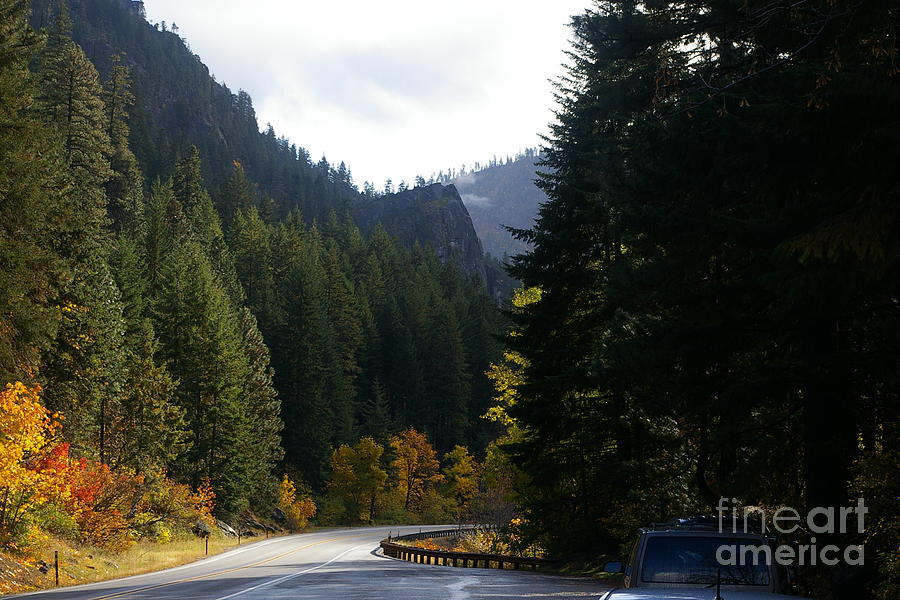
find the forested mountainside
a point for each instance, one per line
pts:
(501, 195)
(169, 328)
(179, 105)
(434, 214)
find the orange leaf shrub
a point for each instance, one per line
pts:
(205, 499)
(101, 501)
(42, 485)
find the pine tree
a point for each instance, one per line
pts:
(343, 314)
(236, 197)
(84, 369)
(162, 232)
(71, 101)
(253, 263)
(125, 189)
(446, 392)
(151, 432)
(704, 295)
(128, 266)
(30, 199)
(201, 343)
(375, 417)
(480, 325)
(196, 203)
(304, 345)
(202, 222)
(263, 409)
(403, 370)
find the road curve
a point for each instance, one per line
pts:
(340, 564)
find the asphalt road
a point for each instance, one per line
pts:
(338, 564)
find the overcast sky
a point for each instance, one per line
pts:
(395, 88)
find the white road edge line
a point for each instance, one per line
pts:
(292, 575)
(103, 584)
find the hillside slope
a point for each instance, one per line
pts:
(500, 196)
(179, 104)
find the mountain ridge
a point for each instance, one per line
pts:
(179, 104)
(500, 196)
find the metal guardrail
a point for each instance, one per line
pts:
(454, 559)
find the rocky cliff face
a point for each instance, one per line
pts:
(433, 216)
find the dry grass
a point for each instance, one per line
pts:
(87, 565)
(16, 576)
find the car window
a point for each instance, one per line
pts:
(684, 559)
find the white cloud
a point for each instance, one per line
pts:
(475, 200)
(464, 180)
(395, 89)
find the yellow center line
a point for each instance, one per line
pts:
(226, 571)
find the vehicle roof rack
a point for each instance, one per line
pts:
(709, 523)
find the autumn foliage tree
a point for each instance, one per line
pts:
(26, 431)
(36, 472)
(101, 501)
(296, 504)
(79, 498)
(460, 479)
(415, 465)
(357, 477)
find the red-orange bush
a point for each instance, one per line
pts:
(41, 484)
(101, 501)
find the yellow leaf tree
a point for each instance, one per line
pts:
(297, 508)
(26, 428)
(460, 478)
(507, 376)
(357, 477)
(415, 465)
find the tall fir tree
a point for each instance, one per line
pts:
(304, 343)
(84, 369)
(236, 196)
(710, 268)
(125, 188)
(262, 406)
(201, 345)
(250, 246)
(30, 206)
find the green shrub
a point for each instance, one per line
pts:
(52, 518)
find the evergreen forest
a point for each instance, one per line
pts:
(712, 307)
(170, 323)
(201, 325)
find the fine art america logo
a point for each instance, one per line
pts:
(821, 520)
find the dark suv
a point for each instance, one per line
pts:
(680, 558)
